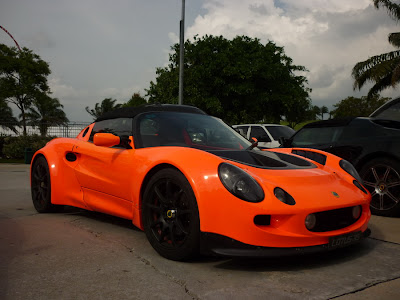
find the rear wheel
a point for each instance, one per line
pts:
(170, 216)
(41, 187)
(381, 177)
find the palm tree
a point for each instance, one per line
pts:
(46, 112)
(384, 69)
(108, 104)
(324, 110)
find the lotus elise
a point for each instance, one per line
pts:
(194, 185)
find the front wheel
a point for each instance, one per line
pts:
(170, 216)
(381, 176)
(41, 187)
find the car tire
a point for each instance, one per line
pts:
(381, 176)
(170, 216)
(41, 187)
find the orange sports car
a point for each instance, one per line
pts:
(195, 185)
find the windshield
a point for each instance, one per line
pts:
(187, 130)
(280, 131)
(316, 135)
(389, 112)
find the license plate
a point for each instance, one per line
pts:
(345, 239)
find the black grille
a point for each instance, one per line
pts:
(334, 219)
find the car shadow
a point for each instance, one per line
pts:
(300, 262)
(105, 218)
(286, 263)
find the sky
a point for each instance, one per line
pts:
(111, 49)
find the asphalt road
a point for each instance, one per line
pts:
(84, 255)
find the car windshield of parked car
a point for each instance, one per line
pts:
(280, 131)
(391, 112)
(187, 130)
(316, 135)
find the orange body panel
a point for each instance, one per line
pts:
(110, 180)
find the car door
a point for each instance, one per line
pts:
(243, 130)
(106, 173)
(258, 132)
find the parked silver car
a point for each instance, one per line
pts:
(268, 135)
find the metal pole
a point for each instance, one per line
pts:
(181, 53)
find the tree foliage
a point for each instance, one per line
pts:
(239, 80)
(323, 110)
(136, 100)
(108, 104)
(7, 120)
(382, 70)
(23, 78)
(46, 112)
(358, 107)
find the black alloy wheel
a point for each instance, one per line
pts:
(41, 186)
(170, 216)
(381, 177)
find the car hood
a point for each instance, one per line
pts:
(320, 188)
(264, 159)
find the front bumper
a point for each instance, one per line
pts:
(215, 244)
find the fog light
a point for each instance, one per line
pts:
(356, 212)
(311, 220)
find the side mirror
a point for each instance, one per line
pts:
(106, 139)
(285, 143)
(254, 143)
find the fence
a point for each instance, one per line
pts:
(67, 130)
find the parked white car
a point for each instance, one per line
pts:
(268, 135)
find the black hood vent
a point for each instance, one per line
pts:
(264, 159)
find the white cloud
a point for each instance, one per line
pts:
(327, 37)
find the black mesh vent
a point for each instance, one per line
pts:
(317, 157)
(334, 219)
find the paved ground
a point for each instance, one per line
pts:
(83, 255)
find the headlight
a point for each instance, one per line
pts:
(349, 168)
(284, 196)
(239, 183)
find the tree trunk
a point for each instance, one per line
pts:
(23, 119)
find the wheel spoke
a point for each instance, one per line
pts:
(375, 174)
(393, 184)
(381, 202)
(168, 189)
(163, 234)
(177, 197)
(385, 176)
(156, 222)
(367, 183)
(160, 195)
(36, 175)
(180, 226)
(182, 212)
(171, 233)
(153, 206)
(392, 197)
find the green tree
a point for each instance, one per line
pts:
(239, 80)
(382, 70)
(7, 120)
(323, 110)
(23, 78)
(108, 104)
(358, 107)
(136, 100)
(46, 112)
(314, 112)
